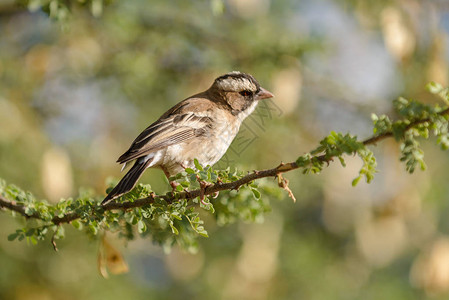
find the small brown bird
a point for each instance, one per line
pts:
(201, 126)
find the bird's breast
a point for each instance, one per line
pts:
(208, 148)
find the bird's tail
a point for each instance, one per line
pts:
(128, 181)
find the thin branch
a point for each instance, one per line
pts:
(13, 206)
(217, 187)
(377, 138)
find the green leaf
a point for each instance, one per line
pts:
(256, 194)
(189, 171)
(13, 236)
(204, 175)
(76, 224)
(176, 215)
(33, 240)
(197, 165)
(29, 211)
(434, 87)
(185, 184)
(342, 161)
(174, 229)
(30, 232)
(141, 226)
(201, 231)
(356, 180)
(304, 160)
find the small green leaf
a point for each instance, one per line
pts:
(342, 161)
(304, 160)
(256, 194)
(204, 175)
(33, 240)
(185, 184)
(356, 180)
(76, 224)
(174, 229)
(434, 87)
(176, 215)
(202, 232)
(189, 171)
(141, 226)
(30, 232)
(197, 165)
(29, 211)
(13, 236)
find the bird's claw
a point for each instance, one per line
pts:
(203, 186)
(174, 185)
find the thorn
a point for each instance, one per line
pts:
(283, 183)
(283, 167)
(54, 245)
(53, 242)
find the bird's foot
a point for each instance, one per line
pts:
(174, 185)
(203, 186)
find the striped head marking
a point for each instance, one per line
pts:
(236, 82)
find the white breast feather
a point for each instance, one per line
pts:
(242, 115)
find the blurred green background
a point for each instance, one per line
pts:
(75, 93)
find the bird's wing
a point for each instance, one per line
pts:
(181, 123)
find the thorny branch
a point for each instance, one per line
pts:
(217, 187)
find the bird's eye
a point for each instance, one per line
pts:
(245, 93)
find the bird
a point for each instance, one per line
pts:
(200, 127)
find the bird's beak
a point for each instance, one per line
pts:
(263, 94)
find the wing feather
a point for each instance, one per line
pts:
(170, 129)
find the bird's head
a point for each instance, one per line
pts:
(240, 91)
